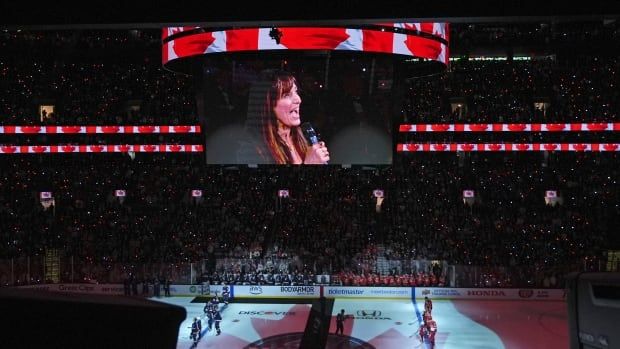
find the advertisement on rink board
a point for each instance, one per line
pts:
(316, 291)
(118, 289)
(277, 291)
(490, 293)
(197, 290)
(113, 289)
(366, 292)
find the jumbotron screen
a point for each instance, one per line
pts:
(303, 95)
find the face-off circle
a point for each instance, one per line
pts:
(293, 340)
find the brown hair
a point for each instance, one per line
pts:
(282, 84)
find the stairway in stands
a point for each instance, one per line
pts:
(383, 265)
(52, 265)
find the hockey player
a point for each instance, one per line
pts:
(195, 332)
(213, 308)
(225, 295)
(426, 316)
(217, 317)
(199, 325)
(431, 326)
(340, 317)
(428, 305)
(208, 314)
(423, 333)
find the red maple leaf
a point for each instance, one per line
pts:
(467, 147)
(580, 147)
(522, 147)
(440, 127)
(31, 129)
(9, 149)
(423, 47)
(191, 45)
(109, 129)
(181, 129)
(550, 146)
(71, 129)
(313, 38)
(516, 127)
(555, 127)
(146, 129)
(478, 127)
(597, 126)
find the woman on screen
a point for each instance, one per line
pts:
(278, 138)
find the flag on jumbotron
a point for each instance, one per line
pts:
(197, 193)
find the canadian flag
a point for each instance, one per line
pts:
(45, 195)
(283, 193)
(197, 193)
(120, 193)
(468, 193)
(551, 194)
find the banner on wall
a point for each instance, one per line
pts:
(367, 292)
(277, 291)
(490, 293)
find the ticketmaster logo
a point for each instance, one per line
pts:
(346, 292)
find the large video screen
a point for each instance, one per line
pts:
(307, 96)
(274, 109)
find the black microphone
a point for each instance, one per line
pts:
(310, 134)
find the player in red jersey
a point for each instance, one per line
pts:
(428, 305)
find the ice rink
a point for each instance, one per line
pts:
(387, 324)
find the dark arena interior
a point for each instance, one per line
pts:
(380, 177)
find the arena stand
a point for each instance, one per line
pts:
(330, 226)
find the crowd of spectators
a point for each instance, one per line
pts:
(330, 224)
